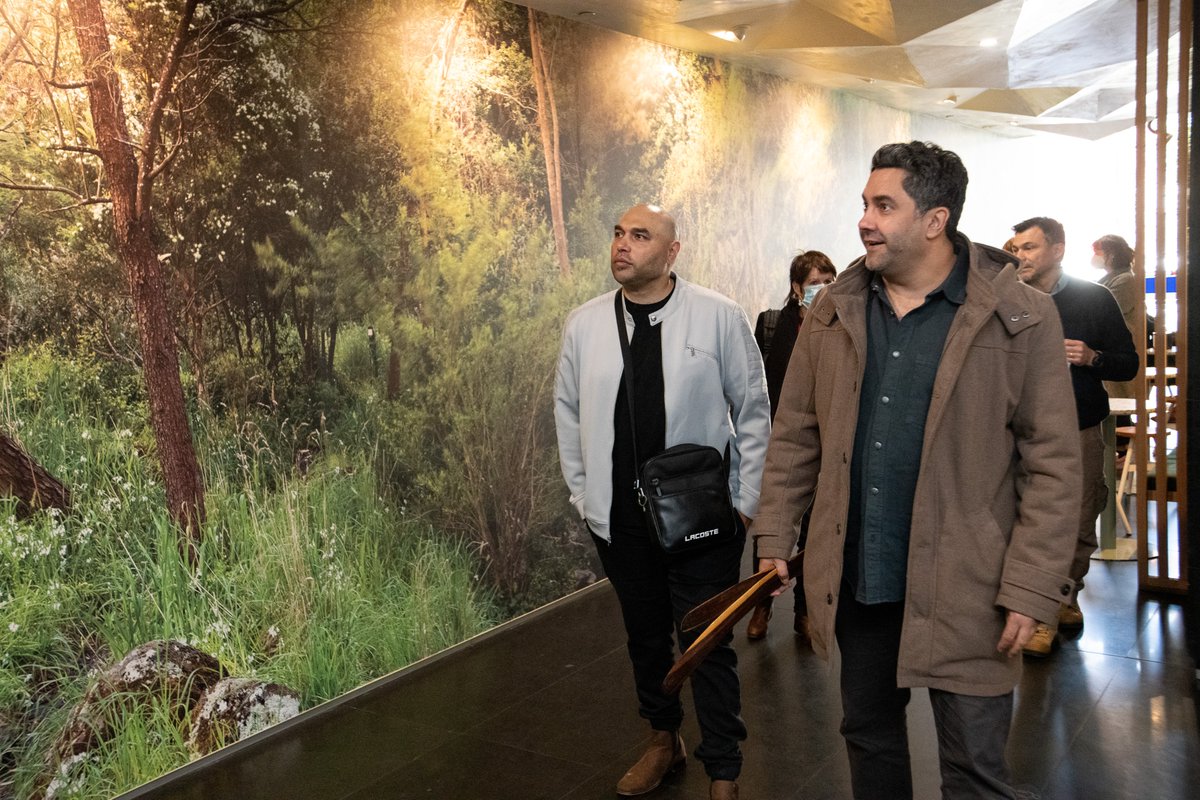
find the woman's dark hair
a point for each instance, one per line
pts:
(935, 177)
(804, 264)
(1117, 252)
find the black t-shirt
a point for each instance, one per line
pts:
(645, 351)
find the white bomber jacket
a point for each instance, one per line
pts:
(714, 384)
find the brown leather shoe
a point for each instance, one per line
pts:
(1043, 643)
(663, 754)
(757, 628)
(723, 790)
(1070, 616)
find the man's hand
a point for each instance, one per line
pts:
(1078, 353)
(780, 566)
(1017, 633)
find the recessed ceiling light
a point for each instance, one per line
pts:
(735, 34)
(990, 41)
(949, 100)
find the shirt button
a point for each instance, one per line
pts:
(874, 490)
(879, 445)
(885, 399)
(829, 599)
(895, 354)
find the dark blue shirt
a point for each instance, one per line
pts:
(903, 355)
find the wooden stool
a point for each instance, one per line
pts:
(1128, 472)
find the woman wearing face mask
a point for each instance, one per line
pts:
(1114, 255)
(775, 333)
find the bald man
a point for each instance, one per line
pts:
(697, 378)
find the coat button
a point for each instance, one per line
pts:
(1064, 590)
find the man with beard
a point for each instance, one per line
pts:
(925, 393)
(697, 378)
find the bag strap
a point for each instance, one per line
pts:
(628, 377)
(619, 306)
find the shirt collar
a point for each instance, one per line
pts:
(1061, 284)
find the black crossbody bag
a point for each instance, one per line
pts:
(684, 490)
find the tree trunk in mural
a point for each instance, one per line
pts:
(130, 184)
(28, 481)
(548, 127)
(448, 40)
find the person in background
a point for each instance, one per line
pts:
(775, 332)
(1098, 348)
(1113, 254)
(696, 378)
(922, 419)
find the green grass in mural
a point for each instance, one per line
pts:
(313, 582)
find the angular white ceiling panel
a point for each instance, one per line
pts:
(1068, 63)
(1083, 41)
(877, 63)
(689, 10)
(781, 27)
(1094, 105)
(960, 66)
(998, 21)
(1020, 102)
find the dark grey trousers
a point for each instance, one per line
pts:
(972, 731)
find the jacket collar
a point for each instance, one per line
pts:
(675, 302)
(992, 286)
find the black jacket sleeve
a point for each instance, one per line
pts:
(1120, 359)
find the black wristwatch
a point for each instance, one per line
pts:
(1098, 361)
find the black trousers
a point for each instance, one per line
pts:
(972, 731)
(655, 591)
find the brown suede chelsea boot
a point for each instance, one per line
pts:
(663, 754)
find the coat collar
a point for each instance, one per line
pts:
(992, 287)
(675, 301)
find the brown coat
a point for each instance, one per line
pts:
(998, 493)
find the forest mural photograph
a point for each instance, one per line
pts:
(281, 285)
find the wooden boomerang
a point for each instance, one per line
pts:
(760, 585)
(711, 608)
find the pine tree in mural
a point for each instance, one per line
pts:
(125, 151)
(131, 183)
(547, 117)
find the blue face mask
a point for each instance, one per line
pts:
(810, 292)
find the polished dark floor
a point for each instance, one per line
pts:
(542, 709)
